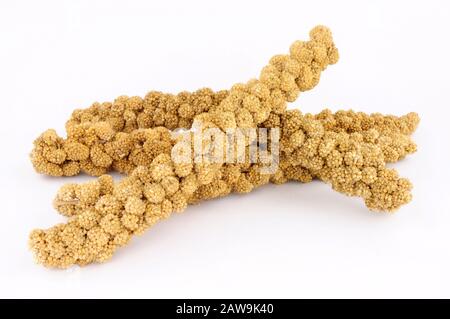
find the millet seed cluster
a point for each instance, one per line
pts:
(132, 135)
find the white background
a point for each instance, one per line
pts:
(295, 240)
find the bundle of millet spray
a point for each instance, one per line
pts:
(135, 136)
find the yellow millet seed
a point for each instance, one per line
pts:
(349, 150)
(135, 206)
